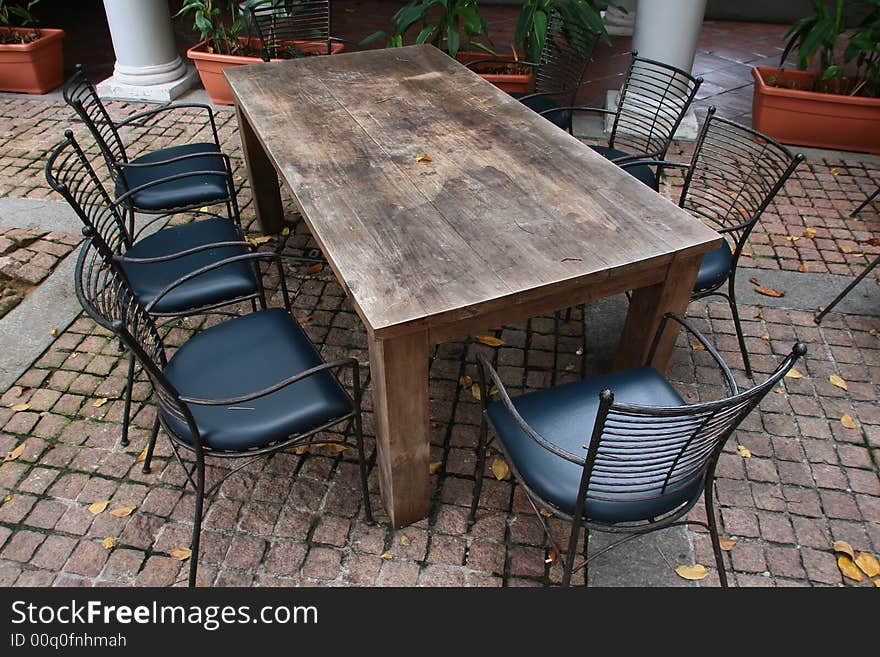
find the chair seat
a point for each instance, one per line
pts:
(226, 283)
(565, 416)
(539, 104)
(644, 173)
(184, 192)
(244, 355)
(714, 268)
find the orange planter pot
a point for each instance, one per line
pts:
(793, 115)
(210, 65)
(33, 68)
(509, 82)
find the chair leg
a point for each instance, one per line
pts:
(126, 411)
(151, 444)
(865, 203)
(858, 279)
(481, 465)
(713, 532)
(731, 301)
(362, 457)
(197, 519)
(572, 548)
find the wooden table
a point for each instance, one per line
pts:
(511, 218)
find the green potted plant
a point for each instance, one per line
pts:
(31, 58)
(832, 98)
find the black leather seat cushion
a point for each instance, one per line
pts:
(223, 284)
(189, 191)
(539, 104)
(714, 268)
(248, 354)
(565, 416)
(643, 173)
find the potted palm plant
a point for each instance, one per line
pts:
(31, 59)
(832, 98)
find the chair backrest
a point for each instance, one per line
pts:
(107, 297)
(80, 94)
(645, 451)
(69, 172)
(652, 103)
(567, 50)
(281, 24)
(735, 172)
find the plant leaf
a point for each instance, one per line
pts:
(694, 572)
(868, 564)
(20, 407)
(475, 391)
(15, 453)
(847, 421)
(809, 233)
(142, 456)
(744, 452)
(769, 292)
(109, 543)
(793, 374)
(122, 511)
(489, 340)
(7, 498)
(386, 555)
(299, 450)
(98, 403)
(180, 553)
(315, 268)
(499, 468)
(727, 544)
(848, 568)
(845, 548)
(96, 508)
(261, 239)
(837, 381)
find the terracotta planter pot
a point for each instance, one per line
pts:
(210, 65)
(509, 82)
(793, 115)
(33, 68)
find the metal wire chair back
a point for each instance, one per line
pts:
(80, 94)
(284, 26)
(734, 175)
(565, 55)
(652, 103)
(69, 172)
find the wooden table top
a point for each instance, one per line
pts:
(508, 206)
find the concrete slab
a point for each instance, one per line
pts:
(38, 215)
(645, 561)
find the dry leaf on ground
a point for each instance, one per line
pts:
(695, 572)
(744, 452)
(404, 540)
(423, 158)
(20, 407)
(845, 548)
(545, 513)
(7, 498)
(490, 340)
(465, 381)
(727, 544)
(386, 556)
(109, 543)
(98, 403)
(809, 233)
(769, 292)
(315, 268)
(500, 468)
(793, 374)
(14, 454)
(868, 564)
(847, 421)
(299, 450)
(475, 391)
(837, 381)
(122, 511)
(848, 568)
(262, 239)
(434, 466)
(142, 456)
(180, 553)
(98, 507)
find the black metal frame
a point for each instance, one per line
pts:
(565, 55)
(81, 95)
(858, 279)
(280, 24)
(69, 172)
(684, 441)
(733, 176)
(106, 295)
(652, 104)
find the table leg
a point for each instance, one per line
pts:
(263, 178)
(646, 309)
(399, 376)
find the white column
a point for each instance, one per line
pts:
(668, 30)
(147, 64)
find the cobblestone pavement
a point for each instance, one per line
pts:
(296, 519)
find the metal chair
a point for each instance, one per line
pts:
(172, 179)
(295, 28)
(858, 279)
(248, 387)
(733, 176)
(651, 105)
(161, 266)
(621, 452)
(565, 55)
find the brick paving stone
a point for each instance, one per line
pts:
(322, 563)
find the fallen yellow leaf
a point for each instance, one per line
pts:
(727, 544)
(98, 403)
(335, 448)
(404, 540)
(769, 292)
(204, 208)
(142, 456)
(744, 452)
(845, 548)
(868, 564)
(122, 511)
(876, 582)
(793, 374)
(765, 337)
(109, 543)
(180, 553)
(423, 158)
(53, 332)
(847, 421)
(386, 556)
(434, 466)
(837, 381)
(465, 381)
(7, 498)
(301, 449)
(803, 268)
(475, 391)
(490, 340)
(693, 573)
(835, 171)
(20, 407)
(544, 512)
(848, 568)
(697, 346)
(98, 507)
(262, 239)
(792, 238)
(315, 268)
(499, 468)
(846, 249)
(15, 453)
(285, 231)
(809, 233)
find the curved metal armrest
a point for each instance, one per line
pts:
(578, 108)
(486, 370)
(254, 255)
(121, 166)
(538, 94)
(634, 161)
(324, 367)
(134, 118)
(499, 60)
(182, 254)
(348, 42)
(690, 328)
